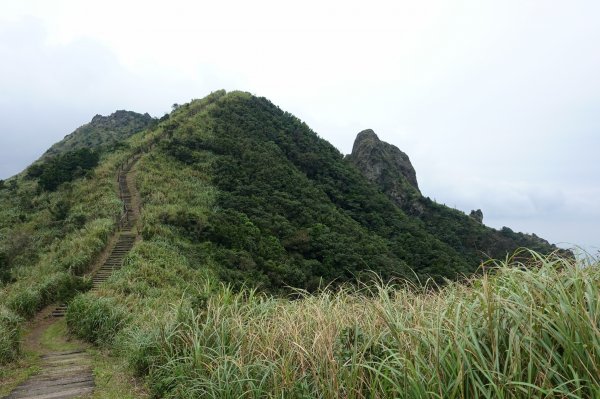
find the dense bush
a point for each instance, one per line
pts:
(63, 168)
(9, 335)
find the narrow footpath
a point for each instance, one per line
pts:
(67, 373)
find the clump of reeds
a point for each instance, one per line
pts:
(515, 332)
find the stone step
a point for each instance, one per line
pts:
(77, 379)
(65, 393)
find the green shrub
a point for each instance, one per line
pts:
(97, 320)
(64, 168)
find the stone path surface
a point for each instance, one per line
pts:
(68, 374)
(63, 375)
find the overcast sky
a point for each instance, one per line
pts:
(497, 103)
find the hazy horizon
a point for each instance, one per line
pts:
(495, 104)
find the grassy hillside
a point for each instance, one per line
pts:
(518, 332)
(48, 238)
(257, 198)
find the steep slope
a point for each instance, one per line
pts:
(391, 171)
(290, 210)
(49, 237)
(102, 132)
(32, 216)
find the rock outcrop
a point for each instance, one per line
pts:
(102, 132)
(477, 215)
(386, 166)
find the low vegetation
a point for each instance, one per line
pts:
(63, 168)
(520, 331)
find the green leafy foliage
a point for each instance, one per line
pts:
(9, 335)
(63, 168)
(291, 211)
(97, 319)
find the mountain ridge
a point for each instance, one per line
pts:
(315, 213)
(102, 131)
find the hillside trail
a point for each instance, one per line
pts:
(65, 367)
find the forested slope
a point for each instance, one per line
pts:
(289, 210)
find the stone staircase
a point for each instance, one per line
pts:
(68, 374)
(64, 375)
(115, 260)
(126, 236)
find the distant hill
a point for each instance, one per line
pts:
(102, 132)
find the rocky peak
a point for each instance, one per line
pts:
(121, 117)
(102, 132)
(477, 215)
(385, 165)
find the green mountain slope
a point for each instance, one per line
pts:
(236, 190)
(284, 207)
(289, 210)
(49, 237)
(32, 216)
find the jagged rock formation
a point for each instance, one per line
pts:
(386, 166)
(103, 131)
(477, 215)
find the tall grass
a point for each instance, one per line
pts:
(513, 333)
(9, 334)
(98, 319)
